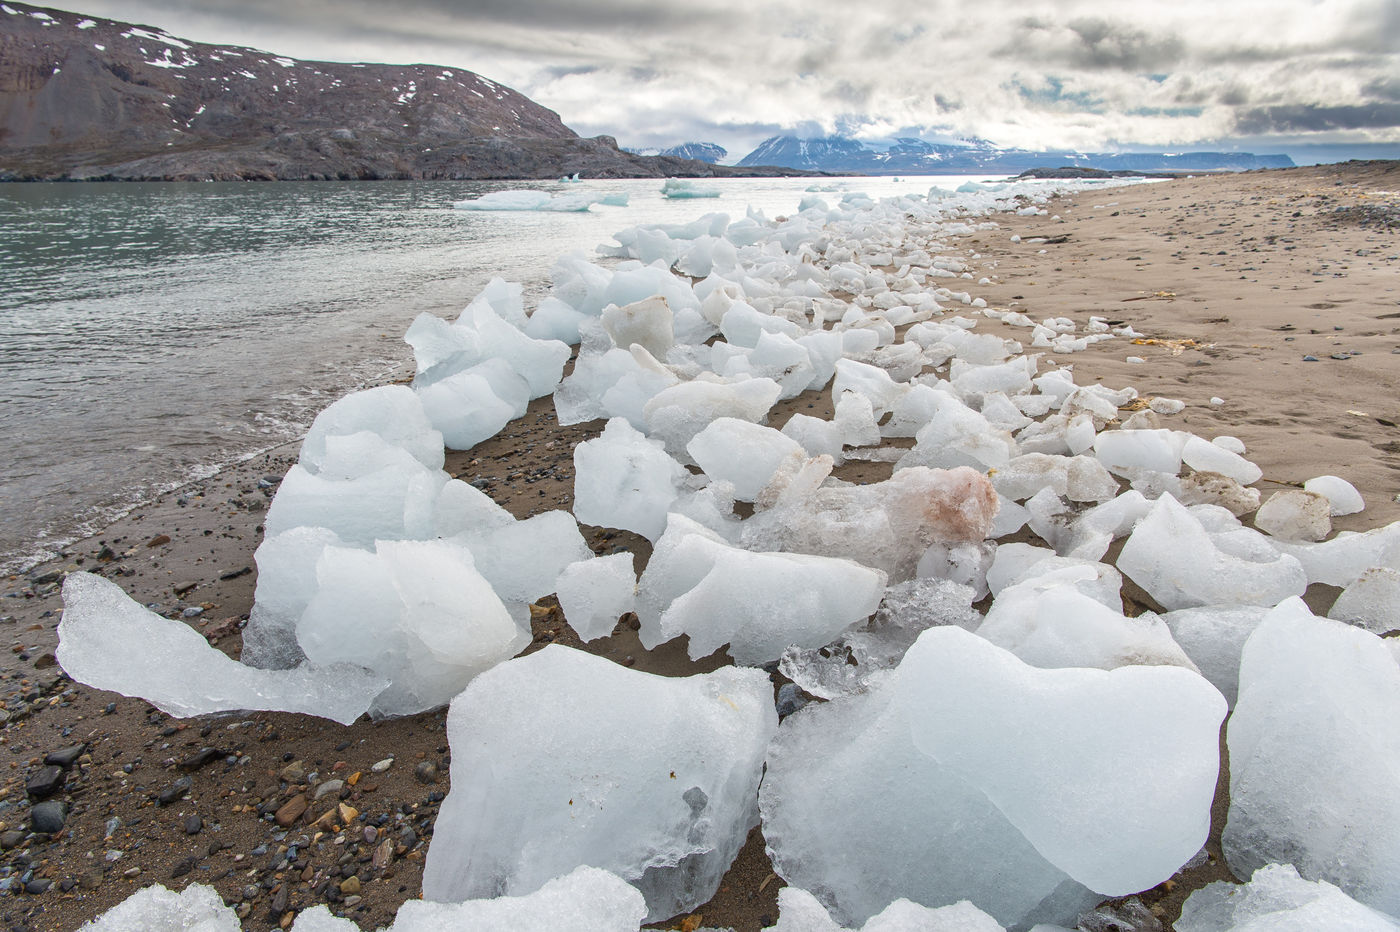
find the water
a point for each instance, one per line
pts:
(153, 333)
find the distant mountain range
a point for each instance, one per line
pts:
(699, 151)
(915, 156)
(86, 98)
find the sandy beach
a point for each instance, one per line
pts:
(1275, 292)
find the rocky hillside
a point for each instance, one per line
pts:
(89, 98)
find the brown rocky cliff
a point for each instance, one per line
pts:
(83, 97)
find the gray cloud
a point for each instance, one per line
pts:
(1302, 118)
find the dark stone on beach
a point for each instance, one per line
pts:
(66, 757)
(181, 588)
(43, 580)
(1309, 358)
(200, 758)
(234, 574)
(48, 817)
(426, 772)
(291, 811)
(1341, 355)
(46, 782)
(38, 885)
(175, 791)
(193, 824)
(183, 867)
(11, 839)
(790, 699)
(159, 540)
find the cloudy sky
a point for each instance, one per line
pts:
(1086, 74)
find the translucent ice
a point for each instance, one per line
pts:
(742, 453)
(1213, 637)
(1205, 456)
(622, 479)
(595, 593)
(1341, 493)
(473, 405)
(1121, 822)
(647, 323)
(1172, 557)
(1123, 451)
(757, 603)
(1079, 478)
(676, 414)
(522, 559)
(800, 911)
(109, 641)
(391, 411)
(1049, 623)
(1341, 560)
(1276, 899)
(1372, 602)
(1312, 739)
(286, 582)
(157, 909)
(1294, 514)
(667, 813)
(584, 900)
(417, 613)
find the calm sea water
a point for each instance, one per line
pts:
(153, 333)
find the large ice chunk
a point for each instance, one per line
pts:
(473, 405)
(391, 411)
(1204, 456)
(676, 414)
(1176, 562)
(1047, 622)
(286, 583)
(757, 603)
(889, 524)
(1372, 602)
(1341, 560)
(585, 900)
(667, 813)
(1087, 738)
(417, 613)
(595, 593)
(742, 453)
(1213, 637)
(1276, 899)
(1126, 451)
(1341, 493)
(1294, 514)
(1313, 740)
(647, 323)
(109, 641)
(625, 480)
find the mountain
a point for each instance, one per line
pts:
(915, 156)
(86, 98)
(699, 151)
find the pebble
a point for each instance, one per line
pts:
(381, 766)
(38, 885)
(295, 772)
(11, 838)
(291, 810)
(350, 885)
(48, 817)
(174, 791)
(426, 772)
(194, 611)
(66, 757)
(330, 786)
(1309, 358)
(201, 758)
(193, 824)
(47, 781)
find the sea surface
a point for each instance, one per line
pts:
(151, 334)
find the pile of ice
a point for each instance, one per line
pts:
(849, 467)
(680, 188)
(586, 899)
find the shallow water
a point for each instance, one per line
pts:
(153, 333)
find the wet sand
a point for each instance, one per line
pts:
(1258, 270)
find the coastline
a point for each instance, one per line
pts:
(1149, 255)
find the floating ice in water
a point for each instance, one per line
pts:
(679, 188)
(1213, 637)
(1293, 514)
(1047, 622)
(1312, 737)
(698, 584)
(108, 641)
(1176, 562)
(889, 524)
(741, 453)
(945, 739)
(675, 415)
(417, 613)
(625, 480)
(595, 593)
(1372, 602)
(391, 411)
(527, 200)
(800, 911)
(157, 909)
(1342, 494)
(1276, 899)
(667, 813)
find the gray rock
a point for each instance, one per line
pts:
(48, 817)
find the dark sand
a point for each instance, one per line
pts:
(1258, 269)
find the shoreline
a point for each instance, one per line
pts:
(1144, 257)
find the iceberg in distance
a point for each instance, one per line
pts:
(679, 188)
(528, 200)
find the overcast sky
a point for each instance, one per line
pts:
(1087, 74)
